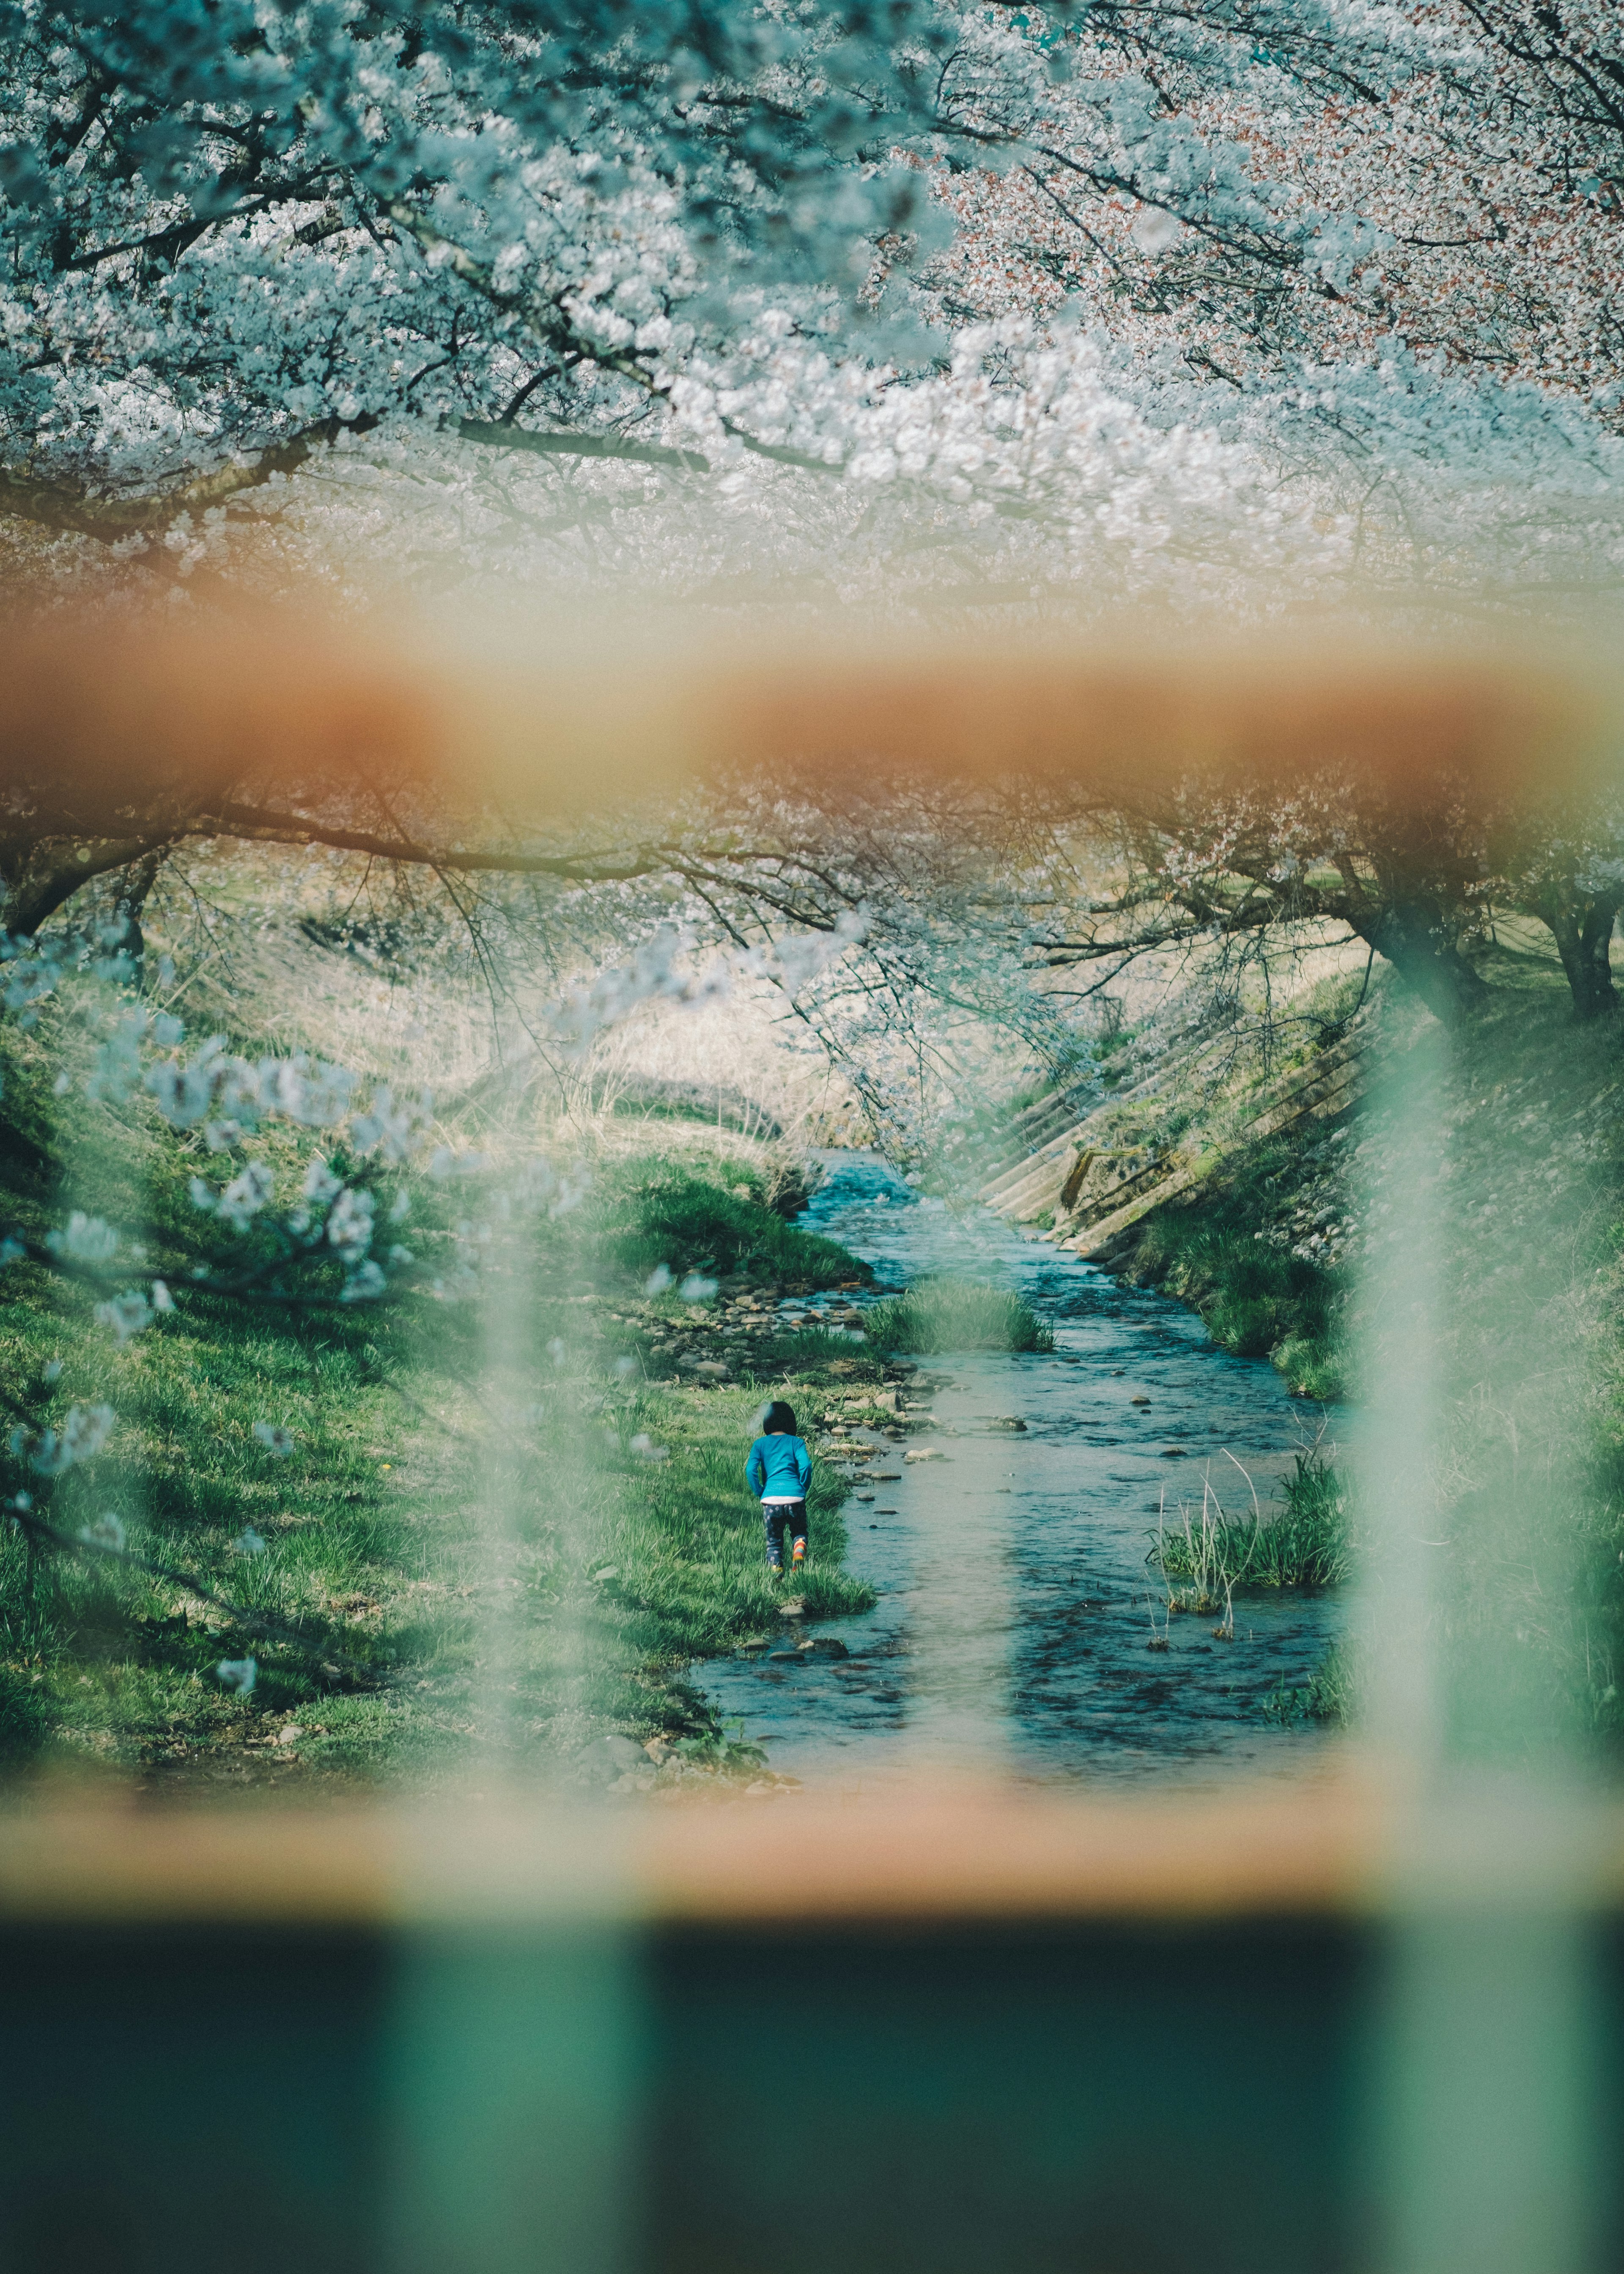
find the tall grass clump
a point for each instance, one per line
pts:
(1307, 1545)
(1331, 1693)
(955, 1314)
(667, 1212)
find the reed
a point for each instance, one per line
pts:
(1307, 1544)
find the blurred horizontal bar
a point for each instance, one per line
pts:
(956, 1852)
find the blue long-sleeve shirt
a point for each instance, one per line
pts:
(779, 1468)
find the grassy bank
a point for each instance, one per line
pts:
(715, 1218)
(1511, 1182)
(493, 1529)
(431, 1592)
(1221, 1252)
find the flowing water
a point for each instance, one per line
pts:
(1015, 1607)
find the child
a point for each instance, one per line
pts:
(778, 1471)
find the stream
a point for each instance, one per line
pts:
(1016, 1606)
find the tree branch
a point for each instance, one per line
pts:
(231, 820)
(498, 437)
(55, 506)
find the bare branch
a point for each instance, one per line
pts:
(269, 828)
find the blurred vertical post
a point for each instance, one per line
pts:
(1401, 1298)
(1488, 2123)
(506, 1301)
(959, 1667)
(515, 2085)
(536, 1470)
(514, 2099)
(1485, 2074)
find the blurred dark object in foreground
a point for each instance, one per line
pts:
(970, 2033)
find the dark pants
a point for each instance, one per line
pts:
(789, 1517)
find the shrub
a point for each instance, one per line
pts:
(955, 1314)
(1313, 1368)
(667, 1214)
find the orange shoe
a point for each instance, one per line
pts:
(799, 1556)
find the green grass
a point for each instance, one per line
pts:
(1306, 1545)
(450, 1563)
(120, 1663)
(954, 1314)
(717, 1222)
(688, 1534)
(1255, 1298)
(430, 1595)
(1330, 1694)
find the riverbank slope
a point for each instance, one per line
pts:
(1274, 1199)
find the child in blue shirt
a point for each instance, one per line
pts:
(778, 1471)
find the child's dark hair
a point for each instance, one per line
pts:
(778, 1420)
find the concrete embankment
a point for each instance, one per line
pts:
(1094, 1180)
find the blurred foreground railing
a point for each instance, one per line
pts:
(1370, 2026)
(1301, 2028)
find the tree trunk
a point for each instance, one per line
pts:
(1419, 942)
(139, 880)
(1582, 930)
(41, 875)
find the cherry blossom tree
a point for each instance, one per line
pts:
(953, 312)
(1332, 277)
(243, 235)
(1271, 187)
(1379, 243)
(1412, 861)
